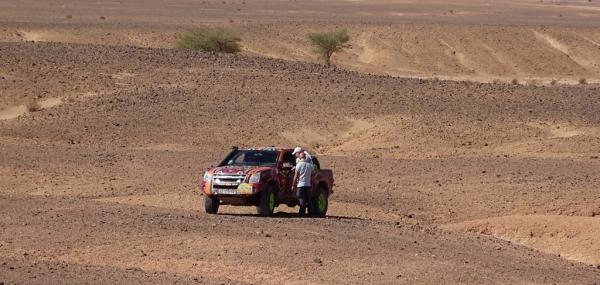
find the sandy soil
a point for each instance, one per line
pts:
(437, 181)
(570, 237)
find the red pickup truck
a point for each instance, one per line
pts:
(262, 177)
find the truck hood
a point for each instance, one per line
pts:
(232, 170)
(237, 170)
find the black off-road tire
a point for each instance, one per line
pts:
(319, 202)
(211, 204)
(266, 202)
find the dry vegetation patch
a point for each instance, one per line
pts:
(33, 105)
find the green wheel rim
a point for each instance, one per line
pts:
(321, 203)
(271, 202)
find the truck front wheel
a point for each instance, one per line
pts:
(266, 202)
(211, 204)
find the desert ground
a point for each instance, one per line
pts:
(446, 171)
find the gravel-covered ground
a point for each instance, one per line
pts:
(437, 182)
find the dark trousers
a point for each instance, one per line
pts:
(303, 194)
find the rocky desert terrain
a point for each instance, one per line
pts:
(446, 172)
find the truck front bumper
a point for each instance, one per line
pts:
(242, 190)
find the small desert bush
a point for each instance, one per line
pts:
(33, 105)
(582, 81)
(553, 82)
(532, 82)
(209, 40)
(496, 81)
(327, 43)
(515, 81)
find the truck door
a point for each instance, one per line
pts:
(287, 174)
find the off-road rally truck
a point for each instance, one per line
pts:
(262, 177)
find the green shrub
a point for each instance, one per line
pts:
(209, 40)
(326, 43)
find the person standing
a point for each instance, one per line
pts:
(302, 180)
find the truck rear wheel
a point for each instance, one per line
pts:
(266, 202)
(211, 204)
(319, 202)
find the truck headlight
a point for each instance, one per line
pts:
(255, 178)
(206, 177)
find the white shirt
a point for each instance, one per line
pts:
(304, 172)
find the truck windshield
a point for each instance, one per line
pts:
(253, 158)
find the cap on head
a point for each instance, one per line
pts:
(297, 150)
